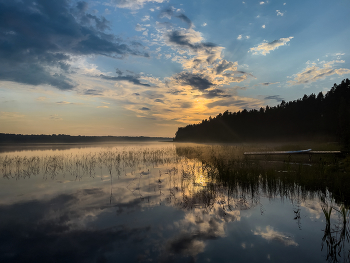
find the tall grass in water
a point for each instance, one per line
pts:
(246, 180)
(336, 235)
(209, 177)
(82, 164)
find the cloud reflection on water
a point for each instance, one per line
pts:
(138, 203)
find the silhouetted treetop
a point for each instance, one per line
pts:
(321, 116)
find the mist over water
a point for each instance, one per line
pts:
(166, 202)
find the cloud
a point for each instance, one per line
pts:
(185, 19)
(314, 73)
(55, 117)
(61, 222)
(239, 102)
(41, 98)
(102, 107)
(205, 77)
(224, 65)
(63, 102)
(130, 78)
(274, 97)
(268, 83)
(263, 26)
(145, 109)
(279, 13)
(265, 48)
(4, 115)
(198, 227)
(169, 13)
(46, 35)
(204, 24)
(189, 39)
(186, 105)
(133, 4)
(261, 3)
(272, 235)
(215, 93)
(240, 37)
(196, 81)
(33, 74)
(95, 92)
(138, 27)
(67, 103)
(186, 244)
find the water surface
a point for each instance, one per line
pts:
(165, 202)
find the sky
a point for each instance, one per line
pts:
(147, 67)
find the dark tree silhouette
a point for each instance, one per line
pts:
(63, 138)
(322, 116)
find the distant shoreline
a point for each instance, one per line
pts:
(6, 138)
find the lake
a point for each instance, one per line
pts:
(166, 202)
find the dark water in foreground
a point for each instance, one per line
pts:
(163, 202)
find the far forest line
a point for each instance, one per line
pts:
(323, 117)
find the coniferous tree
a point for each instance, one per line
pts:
(310, 117)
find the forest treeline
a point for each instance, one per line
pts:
(63, 138)
(308, 118)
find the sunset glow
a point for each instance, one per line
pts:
(147, 67)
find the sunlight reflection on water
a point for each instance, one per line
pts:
(164, 202)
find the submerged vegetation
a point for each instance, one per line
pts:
(322, 117)
(225, 164)
(208, 180)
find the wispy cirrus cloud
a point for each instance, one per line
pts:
(42, 98)
(268, 83)
(94, 92)
(277, 98)
(279, 13)
(68, 103)
(55, 117)
(172, 12)
(240, 37)
(5, 115)
(215, 93)
(235, 101)
(130, 78)
(317, 72)
(202, 88)
(133, 4)
(265, 47)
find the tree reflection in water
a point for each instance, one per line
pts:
(211, 181)
(336, 235)
(250, 179)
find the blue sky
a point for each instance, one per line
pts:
(144, 67)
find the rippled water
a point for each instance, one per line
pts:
(164, 202)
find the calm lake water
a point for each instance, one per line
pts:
(165, 202)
